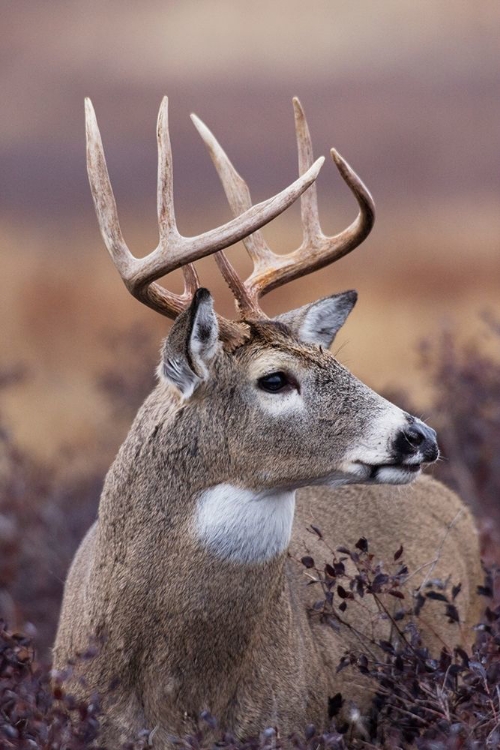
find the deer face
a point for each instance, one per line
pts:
(291, 415)
(303, 419)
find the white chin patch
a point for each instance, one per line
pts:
(360, 473)
(244, 526)
(395, 475)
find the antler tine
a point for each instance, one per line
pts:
(316, 251)
(107, 215)
(167, 224)
(239, 199)
(102, 193)
(350, 238)
(309, 201)
(235, 187)
(165, 185)
(173, 251)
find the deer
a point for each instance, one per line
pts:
(190, 579)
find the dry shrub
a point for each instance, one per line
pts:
(33, 713)
(44, 512)
(445, 701)
(466, 414)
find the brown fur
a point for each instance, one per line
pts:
(179, 629)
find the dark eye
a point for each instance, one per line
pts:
(274, 382)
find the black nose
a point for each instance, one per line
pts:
(417, 439)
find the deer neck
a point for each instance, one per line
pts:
(210, 554)
(175, 470)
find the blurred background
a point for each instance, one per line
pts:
(407, 92)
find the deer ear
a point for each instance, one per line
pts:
(191, 345)
(319, 322)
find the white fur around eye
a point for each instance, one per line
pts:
(242, 525)
(278, 404)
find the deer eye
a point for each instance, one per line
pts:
(275, 382)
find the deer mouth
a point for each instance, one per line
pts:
(393, 473)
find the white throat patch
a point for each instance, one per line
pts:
(243, 525)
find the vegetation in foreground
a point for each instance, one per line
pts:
(441, 701)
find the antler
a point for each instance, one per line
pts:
(316, 251)
(173, 251)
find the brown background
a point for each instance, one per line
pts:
(407, 91)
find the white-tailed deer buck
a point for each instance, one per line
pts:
(190, 579)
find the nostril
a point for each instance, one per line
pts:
(415, 436)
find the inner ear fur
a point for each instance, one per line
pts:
(319, 322)
(191, 345)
